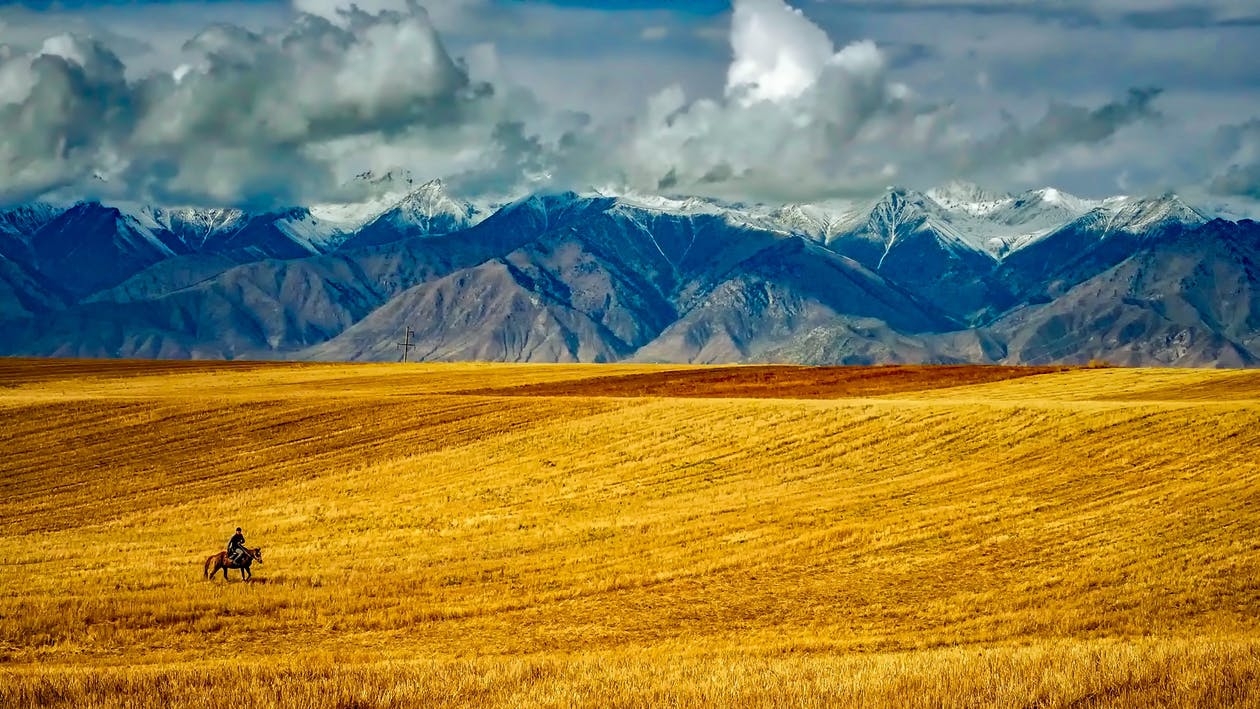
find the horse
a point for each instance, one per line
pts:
(221, 561)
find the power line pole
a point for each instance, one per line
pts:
(407, 345)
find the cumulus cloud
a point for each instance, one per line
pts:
(247, 117)
(801, 119)
(61, 108)
(796, 113)
(278, 117)
(245, 103)
(779, 53)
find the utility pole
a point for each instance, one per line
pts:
(407, 345)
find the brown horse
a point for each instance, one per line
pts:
(221, 561)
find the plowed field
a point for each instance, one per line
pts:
(630, 535)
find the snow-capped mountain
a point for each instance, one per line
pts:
(424, 210)
(1138, 215)
(962, 214)
(393, 205)
(1000, 224)
(379, 193)
(957, 273)
(25, 219)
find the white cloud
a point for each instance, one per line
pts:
(654, 33)
(247, 117)
(285, 115)
(798, 118)
(779, 53)
(61, 107)
(802, 120)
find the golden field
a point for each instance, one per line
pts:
(628, 535)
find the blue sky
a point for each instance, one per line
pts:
(641, 94)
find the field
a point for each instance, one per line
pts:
(475, 535)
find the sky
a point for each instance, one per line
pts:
(268, 103)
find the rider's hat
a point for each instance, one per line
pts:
(238, 529)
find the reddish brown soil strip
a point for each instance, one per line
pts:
(776, 382)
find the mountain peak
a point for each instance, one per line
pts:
(426, 209)
(433, 188)
(903, 198)
(1054, 198)
(961, 191)
(1135, 215)
(429, 200)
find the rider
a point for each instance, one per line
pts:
(236, 545)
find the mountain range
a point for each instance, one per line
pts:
(954, 274)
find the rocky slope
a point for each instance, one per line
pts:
(952, 275)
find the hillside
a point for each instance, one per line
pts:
(630, 535)
(951, 276)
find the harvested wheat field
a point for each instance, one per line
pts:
(637, 535)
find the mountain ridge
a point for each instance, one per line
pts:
(947, 275)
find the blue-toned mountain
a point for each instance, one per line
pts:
(951, 275)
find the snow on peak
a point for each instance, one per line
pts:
(821, 221)
(672, 205)
(378, 194)
(29, 218)
(959, 192)
(393, 194)
(1051, 198)
(431, 201)
(903, 211)
(429, 209)
(1137, 215)
(963, 215)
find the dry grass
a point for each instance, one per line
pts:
(1080, 538)
(1163, 674)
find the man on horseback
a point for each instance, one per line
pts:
(237, 556)
(236, 546)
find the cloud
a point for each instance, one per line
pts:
(271, 117)
(654, 33)
(802, 120)
(796, 113)
(60, 109)
(445, 14)
(1063, 125)
(1239, 147)
(248, 117)
(779, 53)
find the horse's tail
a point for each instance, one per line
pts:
(206, 571)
